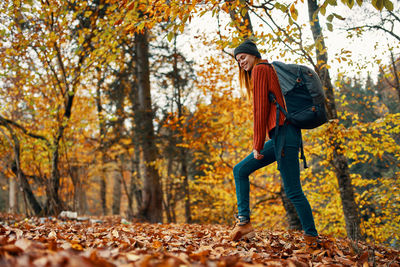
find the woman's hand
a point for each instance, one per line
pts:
(257, 155)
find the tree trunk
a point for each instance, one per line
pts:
(79, 199)
(152, 192)
(73, 170)
(12, 196)
(168, 188)
(116, 206)
(54, 204)
(182, 151)
(340, 164)
(396, 78)
(103, 187)
(82, 201)
(103, 181)
(134, 191)
(186, 188)
(22, 179)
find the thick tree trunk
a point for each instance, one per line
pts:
(73, 170)
(134, 190)
(54, 204)
(79, 199)
(117, 190)
(152, 192)
(12, 196)
(350, 210)
(82, 201)
(22, 179)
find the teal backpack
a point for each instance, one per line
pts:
(304, 97)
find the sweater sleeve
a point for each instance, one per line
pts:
(260, 77)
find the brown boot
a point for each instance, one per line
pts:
(242, 229)
(312, 241)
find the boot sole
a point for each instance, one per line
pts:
(249, 235)
(246, 236)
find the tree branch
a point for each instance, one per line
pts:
(4, 121)
(378, 27)
(287, 35)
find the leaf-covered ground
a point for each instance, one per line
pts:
(111, 241)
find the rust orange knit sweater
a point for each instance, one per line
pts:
(265, 80)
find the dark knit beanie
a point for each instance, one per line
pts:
(247, 47)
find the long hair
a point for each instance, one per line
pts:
(245, 78)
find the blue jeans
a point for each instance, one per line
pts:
(290, 173)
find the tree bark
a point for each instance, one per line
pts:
(103, 190)
(167, 190)
(54, 204)
(22, 178)
(152, 192)
(135, 192)
(79, 199)
(12, 196)
(117, 190)
(340, 164)
(73, 170)
(186, 187)
(396, 78)
(103, 180)
(177, 81)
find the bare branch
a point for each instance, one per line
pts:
(4, 121)
(287, 35)
(378, 27)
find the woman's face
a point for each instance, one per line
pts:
(246, 61)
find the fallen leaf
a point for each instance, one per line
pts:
(11, 249)
(52, 234)
(77, 247)
(115, 233)
(23, 243)
(133, 257)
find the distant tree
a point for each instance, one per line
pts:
(175, 77)
(360, 99)
(389, 84)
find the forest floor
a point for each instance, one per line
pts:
(110, 241)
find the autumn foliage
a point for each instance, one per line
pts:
(110, 241)
(78, 112)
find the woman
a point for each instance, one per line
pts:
(259, 80)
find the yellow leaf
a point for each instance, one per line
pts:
(157, 244)
(293, 12)
(170, 36)
(77, 247)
